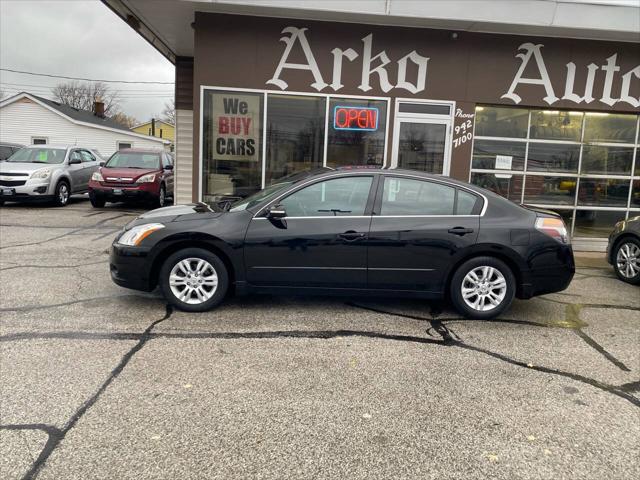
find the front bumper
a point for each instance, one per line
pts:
(129, 267)
(31, 190)
(142, 192)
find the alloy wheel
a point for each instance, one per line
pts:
(628, 260)
(484, 288)
(193, 280)
(162, 198)
(63, 194)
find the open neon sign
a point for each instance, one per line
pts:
(355, 118)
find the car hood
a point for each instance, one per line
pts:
(125, 173)
(26, 167)
(177, 213)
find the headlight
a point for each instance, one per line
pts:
(136, 235)
(43, 173)
(149, 178)
(97, 177)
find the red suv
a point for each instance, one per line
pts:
(133, 174)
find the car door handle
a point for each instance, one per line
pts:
(351, 236)
(460, 230)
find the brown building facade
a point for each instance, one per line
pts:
(543, 121)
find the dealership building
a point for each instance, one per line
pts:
(536, 100)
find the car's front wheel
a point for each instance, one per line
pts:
(194, 280)
(627, 261)
(482, 288)
(96, 201)
(62, 194)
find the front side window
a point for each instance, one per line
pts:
(232, 144)
(405, 196)
(336, 197)
(86, 156)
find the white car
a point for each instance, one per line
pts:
(47, 172)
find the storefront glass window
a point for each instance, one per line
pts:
(603, 192)
(610, 128)
(356, 132)
(580, 164)
(553, 157)
(501, 122)
(506, 185)
(550, 190)
(596, 223)
(494, 154)
(295, 134)
(232, 144)
(607, 160)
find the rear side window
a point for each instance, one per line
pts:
(466, 204)
(406, 196)
(337, 197)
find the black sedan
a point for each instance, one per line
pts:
(623, 250)
(350, 232)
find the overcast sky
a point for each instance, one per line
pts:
(80, 38)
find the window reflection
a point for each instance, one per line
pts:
(549, 190)
(553, 157)
(607, 160)
(603, 192)
(295, 134)
(596, 223)
(609, 127)
(506, 185)
(501, 122)
(555, 125)
(486, 151)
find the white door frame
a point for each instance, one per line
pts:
(402, 117)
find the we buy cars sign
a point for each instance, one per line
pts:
(236, 126)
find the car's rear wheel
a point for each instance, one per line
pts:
(627, 260)
(62, 194)
(482, 288)
(194, 280)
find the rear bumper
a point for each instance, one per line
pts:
(129, 267)
(550, 271)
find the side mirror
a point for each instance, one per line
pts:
(74, 161)
(168, 167)
(276, 212)
(102, 164)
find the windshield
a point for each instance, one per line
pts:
(256, 198)
(38, 155)
(134, 160)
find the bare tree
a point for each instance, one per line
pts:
(169, 112)
(83, 96)
(123, 119)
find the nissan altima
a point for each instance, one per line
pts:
(351, 231)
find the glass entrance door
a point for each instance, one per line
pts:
(422, 141)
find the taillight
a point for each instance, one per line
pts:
(554, 227)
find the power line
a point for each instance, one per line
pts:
(83, 79)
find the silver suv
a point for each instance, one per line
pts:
(47, 172)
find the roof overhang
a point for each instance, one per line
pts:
(167, 25)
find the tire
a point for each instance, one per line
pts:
(184, 263)
(626, 260)
(161, 201)
(62, 194)
(97, 202)
(480, 305)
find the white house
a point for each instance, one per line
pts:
(28, 119)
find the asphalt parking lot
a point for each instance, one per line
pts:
(101, 382)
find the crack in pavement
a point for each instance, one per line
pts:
(29, 308)
(57, 435)
(53, 266)
(57, 237)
